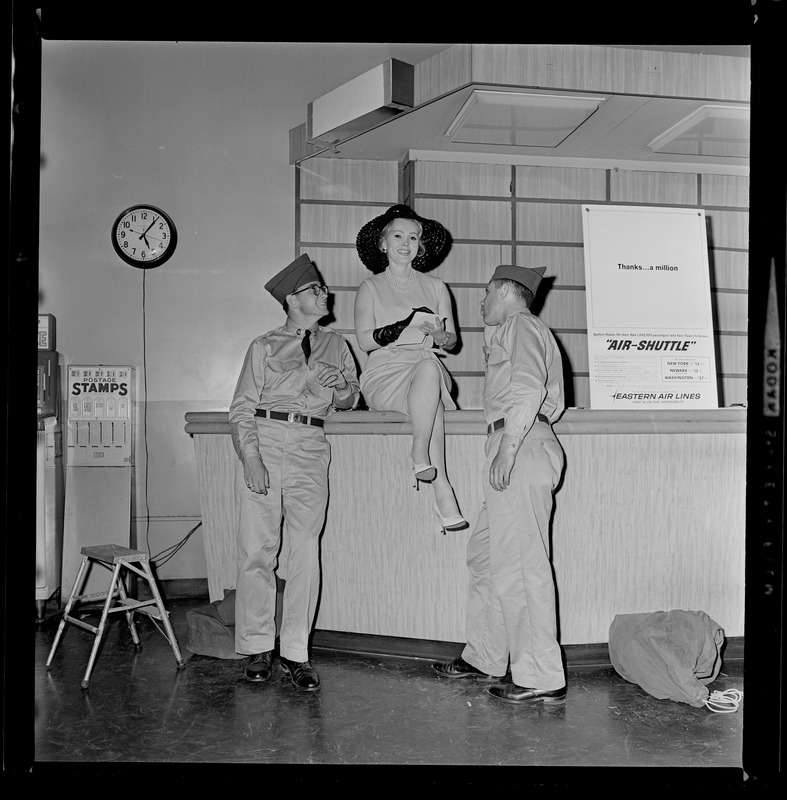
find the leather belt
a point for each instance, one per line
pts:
(500, 423)
(292, 416)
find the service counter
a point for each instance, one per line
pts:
(650, 516)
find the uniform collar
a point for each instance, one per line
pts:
(300, 330)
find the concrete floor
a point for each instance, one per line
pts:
(371, 710)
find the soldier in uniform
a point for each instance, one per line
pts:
(511, 607)
(292, 379)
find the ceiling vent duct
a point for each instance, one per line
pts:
(362, 103)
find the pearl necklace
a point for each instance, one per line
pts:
(402, 284)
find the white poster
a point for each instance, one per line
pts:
(649, 317)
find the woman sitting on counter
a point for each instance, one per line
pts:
(400, 315)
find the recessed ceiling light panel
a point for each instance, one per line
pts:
(708, 131)
(519, 118)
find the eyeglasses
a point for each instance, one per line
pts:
(316, 289)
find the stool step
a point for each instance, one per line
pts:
(79, 623)
(112, 552)
(143, 606)
(122, 558)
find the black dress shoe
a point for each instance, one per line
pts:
(302, 673)
(512, 693)
(459, 668)
(258, 667)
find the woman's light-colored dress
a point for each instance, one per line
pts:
(388, 372)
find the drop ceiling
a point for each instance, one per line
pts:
(654, 131)
(621, 130)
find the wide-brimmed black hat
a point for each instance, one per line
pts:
(367, 243)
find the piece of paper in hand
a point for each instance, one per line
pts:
(412, 334)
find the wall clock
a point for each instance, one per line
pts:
(144, 236)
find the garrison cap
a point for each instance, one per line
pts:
(527, 276)
(296, 274)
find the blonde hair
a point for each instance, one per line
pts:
(384, 232)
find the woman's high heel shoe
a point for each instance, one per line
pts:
(422, 472)
(455, 523)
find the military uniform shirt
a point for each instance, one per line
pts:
(275, 377)
(524, 373)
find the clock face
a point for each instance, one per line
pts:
(144, 236)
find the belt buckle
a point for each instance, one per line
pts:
(296, 416)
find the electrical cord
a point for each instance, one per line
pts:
(724, 702)
(145, 407)
(170, 551)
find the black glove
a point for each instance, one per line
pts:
(390, 333)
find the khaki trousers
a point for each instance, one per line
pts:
(511, 608)
(280, 533)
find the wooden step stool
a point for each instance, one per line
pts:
(120, 557)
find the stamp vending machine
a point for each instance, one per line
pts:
(98, 465)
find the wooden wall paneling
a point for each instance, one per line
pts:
(442, 73)
(470, 391)
(733, 391)
(564, 308)
(654, 188)
(548, 222)
(643, 522)
(349, 179)
(728, 228)
(462, 179)
(574, 351)
(340, 266)
(561, 183)
(732, 354)
(216, 465)
(343, 310)
(469, 219)
(472, 263)
(598, 68)
(593, 68)
(681, 551)
(729, 269)
(732, 311)
(724, 190)
(469, 356)
(581, 391)
(387, 569)
(468, 302)
(566, 264)
(324, 222)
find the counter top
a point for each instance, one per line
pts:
(575, 421)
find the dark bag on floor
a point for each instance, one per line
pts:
(211, 629)
(670, 654)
